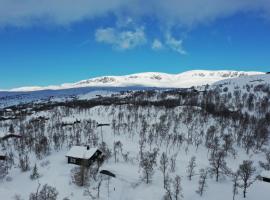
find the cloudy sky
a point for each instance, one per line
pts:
(54, 41)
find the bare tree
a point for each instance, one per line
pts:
(117, 149)
(35, 195)
(164, 164)
(178, 191)
(191, 167)
(173, 163)
(246, 172)
(202, 182)
(173, 189)
(217, 163)
(235, 181)
(228, 143)
(266, 165)
(24, 162)
(46, 193)
(147, 163)
(3, 169)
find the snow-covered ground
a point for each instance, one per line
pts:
(127, 185)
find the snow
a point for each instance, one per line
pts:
(149, 79)
(2, 153)
(265, 174)
(127, 184)
(242, 81)
(81, 152)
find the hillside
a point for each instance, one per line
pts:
(224, 123)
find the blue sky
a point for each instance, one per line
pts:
(51, 45)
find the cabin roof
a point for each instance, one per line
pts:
(108, 173)
(7, 136)
(265, 174)
(81, 152)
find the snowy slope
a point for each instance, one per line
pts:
(10, 98)
(150, 79)
(247, 80)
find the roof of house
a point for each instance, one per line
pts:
(108, 173)
(7, 136)
(81, 152)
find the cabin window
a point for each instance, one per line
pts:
(72, 160)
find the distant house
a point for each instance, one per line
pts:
(3, 156)
(84, 155)
(265, 176)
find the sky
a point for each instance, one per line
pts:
(49, 42)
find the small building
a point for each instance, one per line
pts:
(3, 156)
(84, 155)
(265, 176)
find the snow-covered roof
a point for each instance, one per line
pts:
(265, 174)
(81, 152)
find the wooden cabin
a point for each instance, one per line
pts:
(3, 157)
(84, 155)
(265, 176)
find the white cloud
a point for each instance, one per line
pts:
(121, 39)
(65, 12)
(175, 45)
(157, 44)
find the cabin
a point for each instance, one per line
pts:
(84, 155)
(3, 157)
(265, 176)
(267, 72)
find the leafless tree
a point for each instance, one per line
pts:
(147, 163)
(246, 172)
(217, 163)
(235, 180)
(191, 167)
(202, 182)
(164, 164)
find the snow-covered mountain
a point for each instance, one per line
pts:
(150, 79)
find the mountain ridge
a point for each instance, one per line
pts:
(149, 79)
